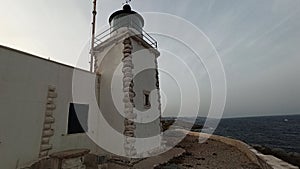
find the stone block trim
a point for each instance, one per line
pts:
(48, 131)
(162, 141)
(158, 92)
(130, 116)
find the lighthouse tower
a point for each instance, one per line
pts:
(128, 93)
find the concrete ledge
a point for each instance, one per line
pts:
(264, 161)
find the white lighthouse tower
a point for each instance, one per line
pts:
(128, 95)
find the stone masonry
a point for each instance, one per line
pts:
(48, 131)
(130, 116)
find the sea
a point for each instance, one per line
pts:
(281, 132)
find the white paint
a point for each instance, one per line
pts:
(24, 81)
(148, 120)
(109, 59)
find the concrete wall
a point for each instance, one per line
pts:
(24, 81)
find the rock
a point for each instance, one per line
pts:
(188, 154)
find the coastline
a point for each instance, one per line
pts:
(264, 161)
(282, 144)
(212, 152)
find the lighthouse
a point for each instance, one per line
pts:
(128, 95)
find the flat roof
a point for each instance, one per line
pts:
(38, 57)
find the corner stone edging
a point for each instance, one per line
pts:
(130, 116)
(48, 131)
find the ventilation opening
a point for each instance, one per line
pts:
(147, 103)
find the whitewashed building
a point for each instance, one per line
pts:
(48, 107)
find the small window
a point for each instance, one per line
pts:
(78, 118)
(147, 103)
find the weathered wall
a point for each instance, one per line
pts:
(109, 64)
(24, 81)
(148, 119)
(111, 94)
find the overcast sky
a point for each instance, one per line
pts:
(257, 40)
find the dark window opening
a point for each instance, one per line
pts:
(78, 118)
(147, 103)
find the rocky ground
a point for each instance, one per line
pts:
(290, 157)
(208, 155)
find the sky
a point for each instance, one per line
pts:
(257, 41)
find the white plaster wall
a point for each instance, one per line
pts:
(111, 96)
(66, 96)
(24, 81)
(110, 67)
(148, 126)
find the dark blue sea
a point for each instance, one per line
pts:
(281, 132)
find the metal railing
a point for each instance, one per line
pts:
(131, 25)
